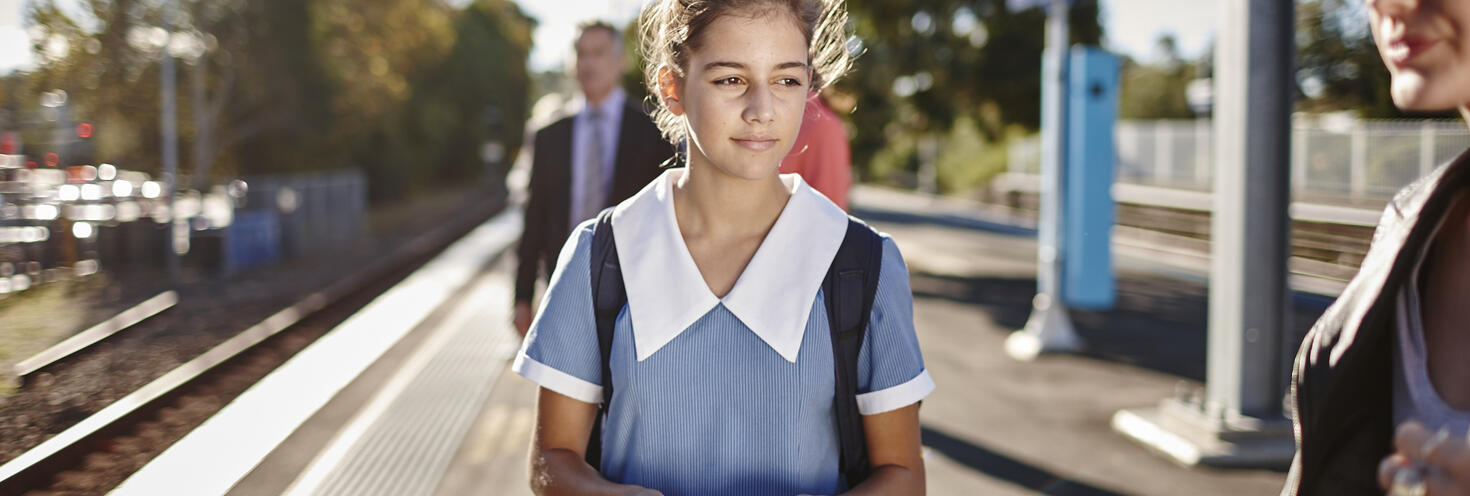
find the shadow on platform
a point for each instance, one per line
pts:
(1006, 468)
(1158, 323)
(941, 220)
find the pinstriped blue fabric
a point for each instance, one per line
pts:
(560, 349)
(890, 331)
(717, 410)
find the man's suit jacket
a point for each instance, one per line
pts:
(641, 149)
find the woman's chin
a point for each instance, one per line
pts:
(1413, 92)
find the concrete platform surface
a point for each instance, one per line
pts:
(994, 426)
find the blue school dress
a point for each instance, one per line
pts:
(722, 396)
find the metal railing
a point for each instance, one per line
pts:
(1333, 158)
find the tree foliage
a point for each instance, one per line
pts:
(1157, 91)
(408, 90)
(1338, 67)
(928, 64)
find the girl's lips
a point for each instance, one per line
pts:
(1405, 49)
(755, 144)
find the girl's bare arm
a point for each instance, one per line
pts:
(894, 452)
(559, 449)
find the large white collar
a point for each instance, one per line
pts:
(773, 297)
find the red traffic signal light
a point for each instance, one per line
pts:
(84, 130)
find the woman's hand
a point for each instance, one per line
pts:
(1426, 464)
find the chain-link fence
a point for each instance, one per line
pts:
(1333, 160)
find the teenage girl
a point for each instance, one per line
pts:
(722, 362)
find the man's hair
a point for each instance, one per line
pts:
(595, 24)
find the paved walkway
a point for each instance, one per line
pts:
(994, 425)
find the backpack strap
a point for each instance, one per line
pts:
(608, 298)
(849, 289)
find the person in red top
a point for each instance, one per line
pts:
(821, 154)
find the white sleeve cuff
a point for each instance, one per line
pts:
(896, 397)
(556, 380)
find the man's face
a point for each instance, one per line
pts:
(599, 63)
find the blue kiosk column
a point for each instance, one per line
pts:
(1074, 256)
(1049, 329)
(1087, 268)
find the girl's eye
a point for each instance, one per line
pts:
(729, 81)
(790, 82)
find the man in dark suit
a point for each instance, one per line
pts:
(584, 163)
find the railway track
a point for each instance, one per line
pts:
(99, 451)
(1322, 249)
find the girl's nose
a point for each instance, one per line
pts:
(759, 105)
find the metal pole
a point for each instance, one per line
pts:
(1249, 248)
(203, 128)
(1299, 148)
(1358, 167)
(1049, 329)
(169, 129)
(1203, 148)
(1239, 421)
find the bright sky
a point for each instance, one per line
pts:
(15, 50)
(553, 38)
(1132, 26)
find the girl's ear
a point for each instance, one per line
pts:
(669, 90)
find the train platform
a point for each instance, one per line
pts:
(436, 411)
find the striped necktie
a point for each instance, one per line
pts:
(594, 194)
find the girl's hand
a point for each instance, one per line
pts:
(1426, 464)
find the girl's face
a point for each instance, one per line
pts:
(744, 92)
(1427, 49)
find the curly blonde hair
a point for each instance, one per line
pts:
(671, 31)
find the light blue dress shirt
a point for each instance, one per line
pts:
(610, 124)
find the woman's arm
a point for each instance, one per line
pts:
(559, 450)
(894, 452)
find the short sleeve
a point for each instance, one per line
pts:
(560, 352)
(891, 373)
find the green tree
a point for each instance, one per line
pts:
(407, 89)
(478, 92)
(1338, 66)
(927, 65)
(1156, 91)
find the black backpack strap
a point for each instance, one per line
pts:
(608, 298)
(849, 288)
